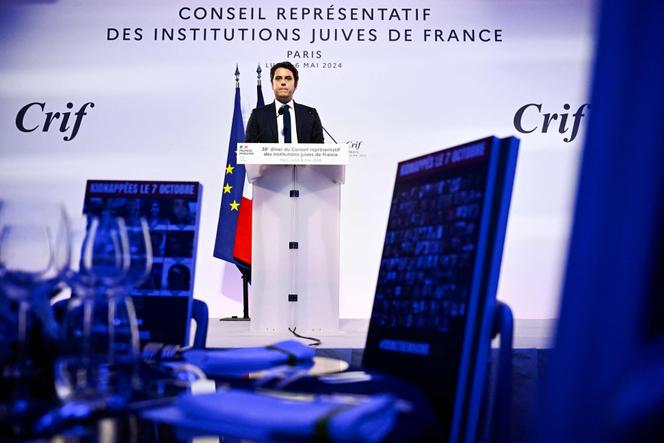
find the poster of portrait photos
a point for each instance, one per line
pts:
(171, 210)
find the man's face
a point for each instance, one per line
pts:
(180, 209)
(283, 85)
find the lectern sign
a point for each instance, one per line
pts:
(292, 154)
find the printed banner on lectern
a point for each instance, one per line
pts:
(292, 154)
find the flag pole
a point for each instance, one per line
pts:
(232, 193)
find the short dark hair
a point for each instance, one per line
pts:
(285, 65)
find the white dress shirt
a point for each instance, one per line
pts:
(280, 120)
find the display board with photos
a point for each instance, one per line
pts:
(438, 274)
(172, 211)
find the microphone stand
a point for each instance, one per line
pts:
(310, 112)
(329, 134)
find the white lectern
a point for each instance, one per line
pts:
(295, 236)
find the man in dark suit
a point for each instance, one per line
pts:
(273, 123)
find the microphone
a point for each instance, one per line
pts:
(313, 114)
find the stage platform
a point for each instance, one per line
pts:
(352, 334)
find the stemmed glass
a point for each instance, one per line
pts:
(100, 334)
(140, 253)
(34, 256)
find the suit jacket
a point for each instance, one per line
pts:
(262, 125)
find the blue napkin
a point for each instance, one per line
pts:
(281, 416)
(237, 362)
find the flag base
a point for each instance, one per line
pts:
(246, 277)
(235, 318)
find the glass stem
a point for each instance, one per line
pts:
(23, 308)
(23, 376)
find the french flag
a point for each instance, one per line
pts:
(242, 249)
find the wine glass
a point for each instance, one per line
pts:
(35, 248)
(140, 253)
(99, 350)
(100, 346)
(105, 255)
(34, 256)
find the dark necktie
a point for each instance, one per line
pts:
(287, 125)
